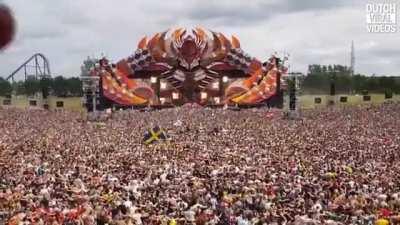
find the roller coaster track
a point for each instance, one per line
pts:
(39, 69)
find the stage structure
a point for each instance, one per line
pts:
(189, 66)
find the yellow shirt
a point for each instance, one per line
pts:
(331, 174)
(172, 222)
(382, 222)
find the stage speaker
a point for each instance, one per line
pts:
(333, 89)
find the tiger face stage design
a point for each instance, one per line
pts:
(197, 66)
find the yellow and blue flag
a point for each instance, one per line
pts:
(153, 135)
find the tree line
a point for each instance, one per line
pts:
(58, 86)
(321, 78)
(318, 80)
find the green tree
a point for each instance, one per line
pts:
(32, 86)
(59, 86)
(358, 83)
(5, 87)
(19, 87)
(74, 86)
(45, 85)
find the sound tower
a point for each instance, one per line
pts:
(292, 95)
(90, 87)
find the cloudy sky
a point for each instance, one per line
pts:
(312, 31)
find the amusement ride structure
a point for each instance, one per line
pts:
(37, 66)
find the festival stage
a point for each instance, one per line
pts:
(183, 66)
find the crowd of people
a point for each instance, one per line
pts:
(334, 166)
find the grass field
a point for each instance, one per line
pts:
(305, 101)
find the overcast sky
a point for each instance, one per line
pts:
(312, 31)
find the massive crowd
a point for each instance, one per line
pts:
(219, 167)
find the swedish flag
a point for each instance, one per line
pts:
(153, 135)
